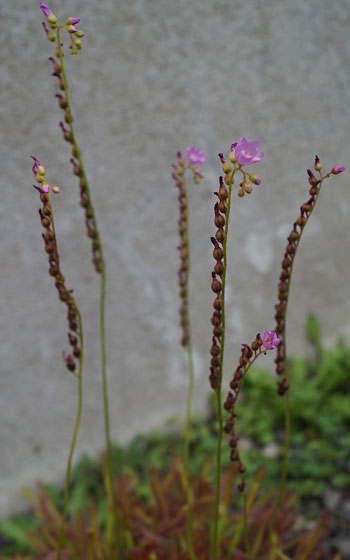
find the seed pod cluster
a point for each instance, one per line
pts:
(286, 272)
(50, 246)
(183, 249)
(216, 284)
(85, 201)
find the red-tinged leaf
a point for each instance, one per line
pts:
(65, 555)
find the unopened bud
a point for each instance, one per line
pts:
(337, 169)
(55, 189)
(240, 193)
(51, 36)
(226, 167)
(232, 157)
(318, 165)
(247, 187)
(254, 178)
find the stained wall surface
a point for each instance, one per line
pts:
(155, 76)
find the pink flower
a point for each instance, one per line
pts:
(270, 340)
(246, 152)
(194, 155)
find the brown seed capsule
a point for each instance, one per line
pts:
(219, 221)
(219, 268)
(220, 235)
(223, 194)
(223, 207)
(216, 319)
(45, 222)
(49, 248)
(234, 455)
(234, 384)
(216, 286)
(217, 331)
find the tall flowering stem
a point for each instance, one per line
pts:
(53, 33)
(294, 237)
(242, 153)
(75, 333)
(194, 157)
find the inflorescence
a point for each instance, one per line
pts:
(50, 244)
(248, 356)
(194, 157)
(241, 153)
(68, 135)
(287, 266)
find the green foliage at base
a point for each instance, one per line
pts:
(320, 440)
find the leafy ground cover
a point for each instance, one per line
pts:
(318, 458)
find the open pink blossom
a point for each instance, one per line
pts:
(246, 152)
(270, 340)
(195, 156)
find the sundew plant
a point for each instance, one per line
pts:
(216, 514)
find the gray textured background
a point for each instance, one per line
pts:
(155, 76)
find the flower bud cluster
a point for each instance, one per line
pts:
(69, 26)
(183, 248)
(50, 245)
(220, 209)
(287, 265)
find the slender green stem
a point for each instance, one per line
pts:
(102, 271)
(246, 534)
(80, 397)
(189, 394)
(218, 390)
(287, 420)
(74, 438)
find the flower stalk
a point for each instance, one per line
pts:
(75, 333)
(294, 238)
(241, 153)
(90, 222)
(194, 157)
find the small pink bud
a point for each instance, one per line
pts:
(338, 169)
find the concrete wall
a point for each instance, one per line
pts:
(155, 76)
